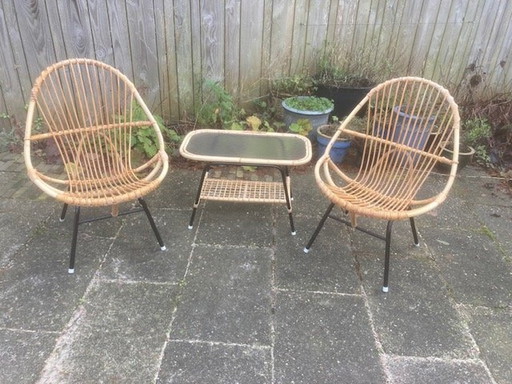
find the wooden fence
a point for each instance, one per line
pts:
(168, 47)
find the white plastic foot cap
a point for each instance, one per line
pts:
(306, 250)
(385, 289)
(71, 270)
(163, 248)
(417, 244)
(61, 220)
(190, 226)
(294, 233)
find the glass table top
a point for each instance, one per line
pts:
(246, 147)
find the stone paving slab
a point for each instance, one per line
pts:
(407, 370)
(227, 297)
(236, 299)
(116, 335)
(23, 354)
(324, 338)
(492, 331)
(189, 362)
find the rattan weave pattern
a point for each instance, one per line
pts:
(243, 191)
(397, 157)
(90, 112)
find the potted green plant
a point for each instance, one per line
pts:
(313, 108)
(344, 143)
(339, 148)
(346, 77)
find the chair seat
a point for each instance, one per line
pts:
(367, 202)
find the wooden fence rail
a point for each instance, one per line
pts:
(168, 47)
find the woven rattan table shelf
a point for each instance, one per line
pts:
(261, 149)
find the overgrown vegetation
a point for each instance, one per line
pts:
(487, 127)
(296, 85)
(477, 133)
(145, 141)
(337, 68)
(219, 110)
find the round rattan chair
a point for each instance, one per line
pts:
(87, 114)
(408, 122)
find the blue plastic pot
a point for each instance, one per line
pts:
(338, 150)
(317, 118)
(408, 128)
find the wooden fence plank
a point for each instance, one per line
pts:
(316, 32)
(118, 23)
(13, 95)
(73, 19)
(282, 37)
(184, 56)
(144, 59)
(498, 48)
(434, 41)
(99, 24)
(212, 40)
(232, 44)
(251, 37)
(36, 38)
(298, 49)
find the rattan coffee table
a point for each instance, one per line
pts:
(260, 149)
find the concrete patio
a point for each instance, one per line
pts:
(235, 300)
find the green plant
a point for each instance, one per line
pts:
(220, 111)
(309, 103)
(477, 133)
(218, 108)
(144, 140)
(359, 68)
(11, 139)
(301, 127)
(299, 84)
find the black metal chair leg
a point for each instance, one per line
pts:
(76, 223)
(63, 212)
(319, 227)
(414, 232)
(385, 287)
(152, 223)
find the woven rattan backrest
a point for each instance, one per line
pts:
(400, 148)
(89, 111)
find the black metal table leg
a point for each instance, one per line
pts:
(206, 169)
(287, 193)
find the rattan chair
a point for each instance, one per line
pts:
(399, 151)
(87, 112)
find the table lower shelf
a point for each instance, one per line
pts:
(243, 190)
